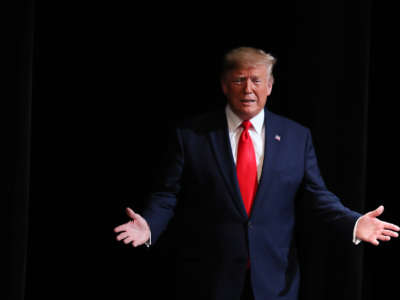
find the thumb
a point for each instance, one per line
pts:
(130, 213)
(377, 212)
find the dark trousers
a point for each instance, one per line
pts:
(247, 293)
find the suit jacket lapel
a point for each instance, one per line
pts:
(223, 153)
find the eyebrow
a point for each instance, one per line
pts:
(244, 76)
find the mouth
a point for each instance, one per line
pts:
(247, 101)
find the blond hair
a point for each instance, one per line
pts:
(244, 57)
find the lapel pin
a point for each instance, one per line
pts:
(278, 138)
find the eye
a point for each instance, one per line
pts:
(237, 80)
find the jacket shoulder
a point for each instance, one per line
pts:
(203, 122)
(287, 123)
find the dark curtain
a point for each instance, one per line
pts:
(17, 154)
(98, 86)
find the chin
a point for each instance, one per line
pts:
(245, 114)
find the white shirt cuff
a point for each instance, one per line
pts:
(356, 241)
(148, 243)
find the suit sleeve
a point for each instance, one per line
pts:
(163, 199)
(325, 204)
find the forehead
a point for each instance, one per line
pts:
(257, 70)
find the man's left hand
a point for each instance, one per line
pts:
(371, 229)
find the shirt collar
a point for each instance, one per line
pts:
(234, 121)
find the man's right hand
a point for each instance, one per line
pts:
(135, 232)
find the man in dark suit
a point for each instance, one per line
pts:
(230, 179)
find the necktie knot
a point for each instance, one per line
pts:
(246, 125)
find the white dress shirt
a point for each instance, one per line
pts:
(256, 131)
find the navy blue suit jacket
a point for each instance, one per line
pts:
(198, 185)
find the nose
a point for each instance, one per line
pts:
(248, 86)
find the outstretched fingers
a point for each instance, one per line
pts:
(383, 235)
(374, 242)
(122, 236)
(120, 228)
(390, 233)
(383, 238)
(128, 240)
(391, 226)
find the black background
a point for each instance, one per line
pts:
(110, 79)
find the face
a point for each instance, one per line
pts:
(247, 90)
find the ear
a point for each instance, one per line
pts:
(224, 86)
(270, 83)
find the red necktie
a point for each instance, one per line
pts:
(246, 167)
